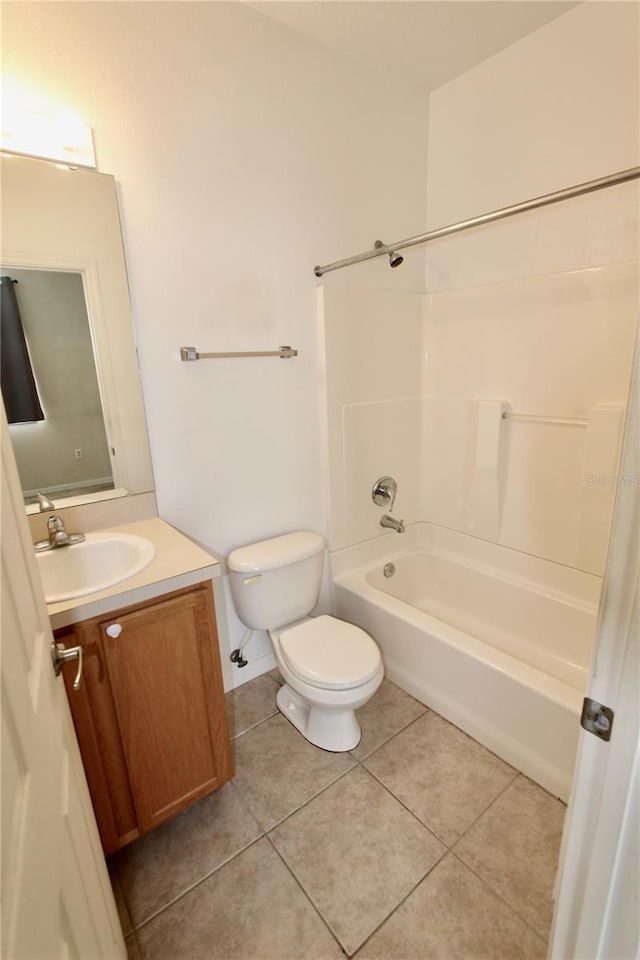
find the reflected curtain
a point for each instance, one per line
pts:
(19, 392)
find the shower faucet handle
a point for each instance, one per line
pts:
(384, 492)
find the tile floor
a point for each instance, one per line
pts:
(417, 844)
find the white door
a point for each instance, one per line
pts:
(56, 895)
(598, 903)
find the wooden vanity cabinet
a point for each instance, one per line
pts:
(150, 714)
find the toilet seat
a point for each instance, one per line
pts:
(330, 653)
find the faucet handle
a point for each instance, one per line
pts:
(384, 492)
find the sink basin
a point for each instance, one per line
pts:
(100, 561)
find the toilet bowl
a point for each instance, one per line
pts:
(330, 668)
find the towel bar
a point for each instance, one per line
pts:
(190, 353)
(533, 418)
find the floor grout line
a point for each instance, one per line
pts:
(200, 880)
(253, 726)
(405, 898)
(516, 774)
(307, 896)
(310, 799)
(408, 809)
(498, 896)
(357, 763)
(197, 883)
(488, 807)
(392, 736)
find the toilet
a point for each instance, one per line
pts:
(330, 667)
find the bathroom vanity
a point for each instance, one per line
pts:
(149, 713)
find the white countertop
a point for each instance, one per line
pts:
(179, 562)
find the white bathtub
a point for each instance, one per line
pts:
(496, 641)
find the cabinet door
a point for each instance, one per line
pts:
(166, 690)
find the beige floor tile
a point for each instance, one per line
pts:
(277, 770)
(160, 866)
(444, 777)
(388, 711)
(251, 703)
(251, 909)
(453, 916)
(514, 848)
(356, 852)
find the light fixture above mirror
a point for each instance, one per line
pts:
(63, 139)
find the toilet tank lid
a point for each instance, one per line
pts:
(276, 552)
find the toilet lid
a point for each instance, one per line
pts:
(330, 653)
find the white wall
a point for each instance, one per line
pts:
(560, 107)
(245, 154)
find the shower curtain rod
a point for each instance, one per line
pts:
(623, 176)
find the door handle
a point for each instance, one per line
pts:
(61, 655)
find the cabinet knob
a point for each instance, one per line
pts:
(114, 630)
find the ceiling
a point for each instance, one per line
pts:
(422, 42)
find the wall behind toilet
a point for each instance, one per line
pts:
(245, 154)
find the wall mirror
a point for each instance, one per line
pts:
(61, 253)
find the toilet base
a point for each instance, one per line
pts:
(331, 729)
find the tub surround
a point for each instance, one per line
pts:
(552, 352)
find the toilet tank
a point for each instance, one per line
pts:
(276, 582)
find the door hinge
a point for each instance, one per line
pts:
(596, 718)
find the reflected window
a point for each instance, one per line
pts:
(66, 453)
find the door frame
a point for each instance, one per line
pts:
(598, 878)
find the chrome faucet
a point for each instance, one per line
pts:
(392, 523)
(58, 536)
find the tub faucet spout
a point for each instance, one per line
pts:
(392, 523)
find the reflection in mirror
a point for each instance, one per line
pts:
(61, 241)
(65, 453)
